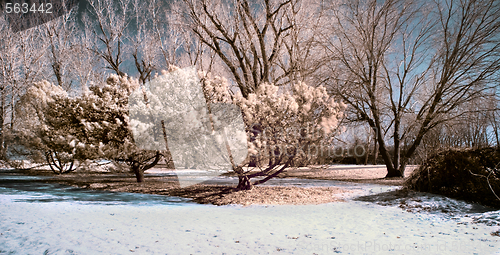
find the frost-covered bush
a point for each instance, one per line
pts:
(283, 125)
(470, 174)
(104, 119)
(34, 126)
(92, 126)
(297, 123)
(173, 107)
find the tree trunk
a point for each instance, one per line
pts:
(244, 183)
(139, 174)
(253, 161)
(367, 154)
(391, 171)
(402, 166)
(496, 135)
(495, 129)
(2, 129)
(397, 146)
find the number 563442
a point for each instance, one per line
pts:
(25, 8)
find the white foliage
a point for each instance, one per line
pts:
(279, 118)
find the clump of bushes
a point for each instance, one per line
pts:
(472, 175)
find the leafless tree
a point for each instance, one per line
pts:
(495, 124)
(257, 41)
(61, 37)
(108, 31)
(142, 33)
(20, 65)
(405, 67)
(178, 45)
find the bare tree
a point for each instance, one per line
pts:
(495, 124)
(257, 41)
(141, 34)
(143, 42)
(62, 58)
(20, 65)
(405, 67)
(178, 45)
(111, 22)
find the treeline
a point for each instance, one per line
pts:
(410, 77)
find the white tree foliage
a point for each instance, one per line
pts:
(282, 125)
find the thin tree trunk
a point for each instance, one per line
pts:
(375, 150)
(367, 151)
(367, 155)
(50, 160)
(397, 147)
(495, 129)
(168, 154)
(2, 129)
(496, 136)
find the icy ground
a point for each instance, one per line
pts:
(40, 218)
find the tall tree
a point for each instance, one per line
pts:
(21, 63)
(406, 66)
(108, 31)
(258, 42)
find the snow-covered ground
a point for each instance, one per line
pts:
(39, 218)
